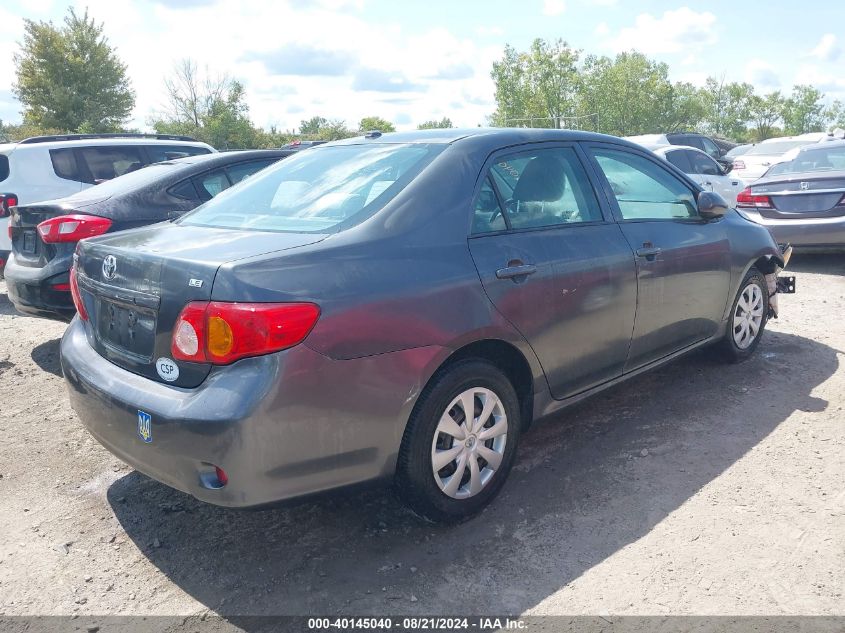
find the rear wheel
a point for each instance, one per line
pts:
(748, 317)
(460, 442)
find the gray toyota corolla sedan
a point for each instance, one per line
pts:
(400, 307)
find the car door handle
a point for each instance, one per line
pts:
(516, 271)
(649, 252)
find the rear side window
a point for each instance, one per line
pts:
(704, 165)
(65, 165)
(4, 167)
(545, 188)
(643, 189)
(325, 189)
(158, 153)
(184, 190)
(212, 183)
(244, 170)
(105, 163)
(680, 160)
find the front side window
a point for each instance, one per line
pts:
(643, 189)
(325, 189)
(710, 147)
(546, 187)
(105, 163)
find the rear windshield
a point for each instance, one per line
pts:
(828, 159)
(777, 147)
(325, 189)
(4, 167)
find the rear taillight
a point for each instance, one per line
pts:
(738, 164)
(72, 228)
(748, 200)
(220, 333)
(77, 296)
(7, 201)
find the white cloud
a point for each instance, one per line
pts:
(826, 50)
(674, 32)
(812, 75)
(553, 7)
(602, 28)
(259, 43)
(761, 74)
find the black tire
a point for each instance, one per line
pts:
(415, 478)
(728, 347)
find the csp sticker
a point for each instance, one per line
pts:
(167, 369)
(145, 426)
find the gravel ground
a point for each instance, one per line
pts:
(697, 489)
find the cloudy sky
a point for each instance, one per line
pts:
(413, 60)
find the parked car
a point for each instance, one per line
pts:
(802, 200)
(51, 167)
(754, 163)
(45, 234)
(702, 169)
(715, 148)
(400, 307)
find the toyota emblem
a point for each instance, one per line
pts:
(109, 267)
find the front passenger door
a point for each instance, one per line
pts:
(683, 261)
(554, 266)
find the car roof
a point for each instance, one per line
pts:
(820, 146)
(98, 142)
(224, 158)
(500, 137)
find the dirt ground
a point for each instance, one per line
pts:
(698, 489)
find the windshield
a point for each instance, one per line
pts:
(324, 189)
(827, 159)
(739, 150)
(776, 147)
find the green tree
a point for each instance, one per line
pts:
(319, 128)
(727, 107)
(632, 94)
(835, 115)
(804, 111)
(764, 113)
(69, 78)
(211, 109)
(369, 123)
(538, 87)
(443, 123)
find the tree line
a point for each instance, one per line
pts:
(549, 85)
(554, 85)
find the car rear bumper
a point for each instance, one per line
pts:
(804, 233)
(282, 426)
(32, 291)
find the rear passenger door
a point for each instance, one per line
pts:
(683, 261)
(554, 264)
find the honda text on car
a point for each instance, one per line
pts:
(400, 307)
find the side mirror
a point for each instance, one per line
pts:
(711, 205)
(726, 164)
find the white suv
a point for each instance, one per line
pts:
(50, 167)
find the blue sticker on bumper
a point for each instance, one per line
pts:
(145, 426)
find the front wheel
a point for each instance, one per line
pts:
(460, 442)
(748, 318)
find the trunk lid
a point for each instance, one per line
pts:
(30, 250)
(801, 196)
(135, 284)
